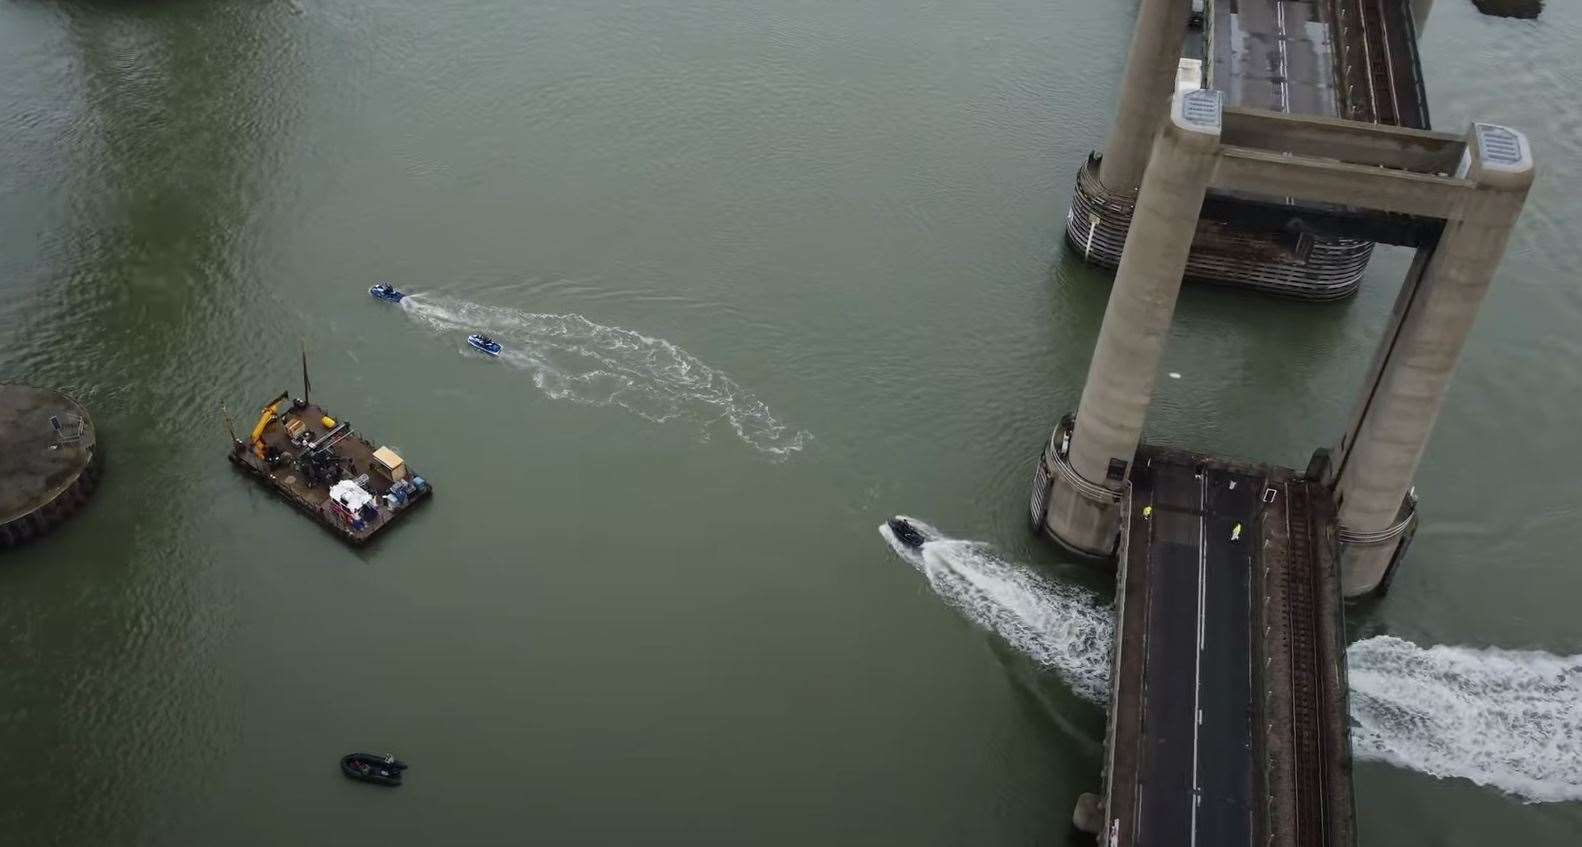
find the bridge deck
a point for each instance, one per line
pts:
(1355, 59)
(1206, 688)
(1276, 55)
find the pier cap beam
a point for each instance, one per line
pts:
(1374, 145)
(1378, 458)
(1083, 511)
(1151, 64)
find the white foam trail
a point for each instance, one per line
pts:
(1056, 626)
(573, 358)
(1507, 719)
(1510, 720)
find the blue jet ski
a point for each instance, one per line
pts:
(484, 344)
(385, 291)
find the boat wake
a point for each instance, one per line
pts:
(573, 358)
(1505, 719)
(1057, 626)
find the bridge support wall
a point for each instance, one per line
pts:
(1434, 313)
(1420, 10)
(1082, 511)
(1150, 77)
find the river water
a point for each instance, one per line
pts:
(766, 273)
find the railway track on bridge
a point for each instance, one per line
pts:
(1307, 674)
(1376, 48)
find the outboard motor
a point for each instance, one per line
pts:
(906, 533)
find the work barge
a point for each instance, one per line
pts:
(327, 470)
(1228, 720)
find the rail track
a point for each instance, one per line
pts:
(1301, 584)
(1379, 70)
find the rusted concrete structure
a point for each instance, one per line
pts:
(50, 461)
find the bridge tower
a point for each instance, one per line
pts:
(1463, 193)
(1151, 64)
(1355, 59)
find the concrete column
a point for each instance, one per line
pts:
(1420, 10)
(1378, 460)
(1150, 77)
(1082, 512)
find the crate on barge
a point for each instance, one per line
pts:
(329, 471)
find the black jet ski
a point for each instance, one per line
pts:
(373, 767)
(906, 533)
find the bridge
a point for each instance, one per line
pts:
(1352, 59)
(1228, 720)
(1228, 695)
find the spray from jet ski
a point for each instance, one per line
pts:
(1509, 719)
(1062, 628)
(572, 358)
(1506, 719)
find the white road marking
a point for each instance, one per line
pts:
(1285, 70)
(1197, 670)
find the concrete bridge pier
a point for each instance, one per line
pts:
(1150, 77)
(1378, 457)
(1420, 10)
(1090, 470)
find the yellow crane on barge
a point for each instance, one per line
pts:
(326, 469)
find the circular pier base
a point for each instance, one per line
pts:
(49, 461)
(1276, 261)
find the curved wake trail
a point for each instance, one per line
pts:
(573, 358)
(1510, 720)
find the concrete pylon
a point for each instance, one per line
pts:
(1377, 460)
(1420, 10)
(1150, 77)
(1089, 475)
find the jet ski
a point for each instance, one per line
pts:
(385, 291)
(373, 767)
(906, 533)
(484, 344)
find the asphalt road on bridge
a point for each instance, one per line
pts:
(1195, 779)
(1275, 54)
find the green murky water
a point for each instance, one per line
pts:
(766, 273)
